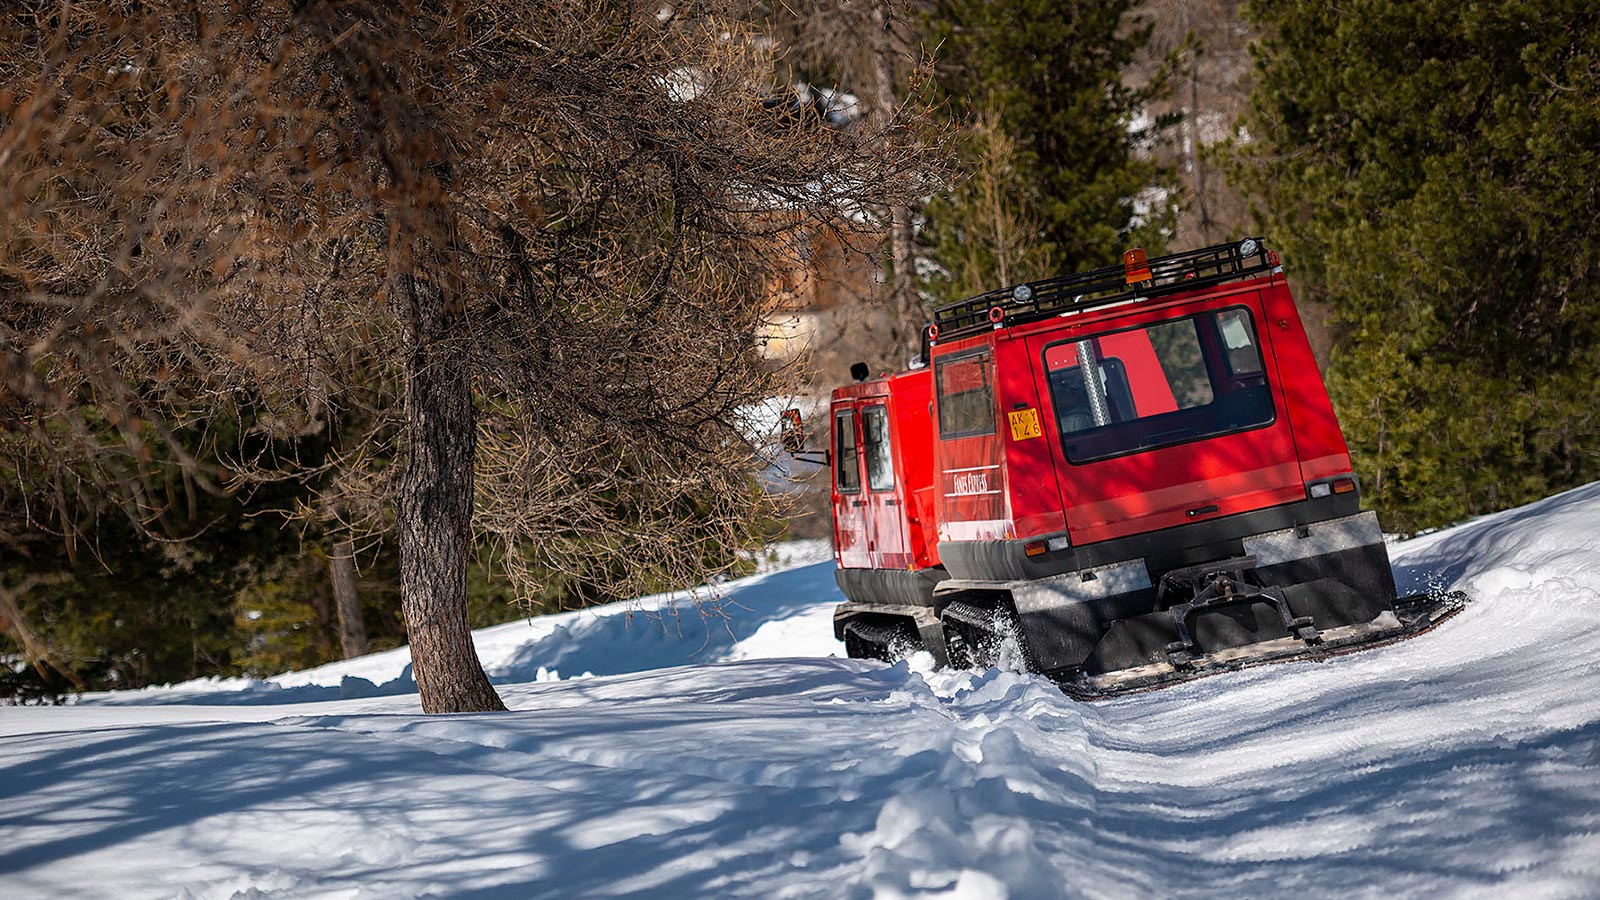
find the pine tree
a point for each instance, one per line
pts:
(1432, 171)
(1053, 131)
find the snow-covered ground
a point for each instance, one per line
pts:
(732, 756)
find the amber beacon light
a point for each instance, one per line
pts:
(1137, 266)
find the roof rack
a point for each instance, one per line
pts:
(1175, 273)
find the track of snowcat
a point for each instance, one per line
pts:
(974, 637)
(1412, 616)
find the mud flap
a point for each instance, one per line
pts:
(1411, 616)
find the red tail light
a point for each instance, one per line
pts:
(1339, 484)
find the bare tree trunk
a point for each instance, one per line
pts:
(434, 509)
(907, 303)
(346, 601)
(1192, 121)
(902, 241)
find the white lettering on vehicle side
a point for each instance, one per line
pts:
(970, 484)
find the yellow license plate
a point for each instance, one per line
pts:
(1025, 424)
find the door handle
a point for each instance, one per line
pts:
(1202, 510)
(891, 503)
(858, 503)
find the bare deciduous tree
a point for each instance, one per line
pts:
(1204, 46)
(873, 47)
(527, 237)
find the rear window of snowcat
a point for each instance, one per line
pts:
(966, 396)
(1155, 386)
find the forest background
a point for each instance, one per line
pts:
(1430, 171)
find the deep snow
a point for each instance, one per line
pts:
(731, 757)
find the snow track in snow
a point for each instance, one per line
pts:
(1465, 762)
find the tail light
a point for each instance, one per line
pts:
(1327, 487)
(1050, 545)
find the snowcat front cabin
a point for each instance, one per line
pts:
(1136, 477)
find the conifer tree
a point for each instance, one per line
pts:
(1040, 88)
(546, 223)
(1432, 171)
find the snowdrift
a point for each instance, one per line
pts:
(732, 757)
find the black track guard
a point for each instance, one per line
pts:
(1412, 616)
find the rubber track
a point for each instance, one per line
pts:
(1455, 601)
(967, 614)
(876, 632)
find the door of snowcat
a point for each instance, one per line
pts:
(970, 485)
(886, 539)
(868, 511)
(1166, 418)
(849, 503)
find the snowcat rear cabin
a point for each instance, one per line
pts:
(881, 451)
(1129, 476)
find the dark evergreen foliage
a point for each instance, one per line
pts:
(120, 603)
(1432, 170)
(1054, 138)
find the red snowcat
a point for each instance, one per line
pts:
(1122, 478)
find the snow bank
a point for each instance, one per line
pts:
(784, 610)
(1465, 762)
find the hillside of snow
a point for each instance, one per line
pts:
(729, 755)
(785, 610)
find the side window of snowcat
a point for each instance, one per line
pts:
(876, 448)
(1163, 384)
(1239, 340)
(966, 396)
(846, 469)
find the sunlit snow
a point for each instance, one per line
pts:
(734, 755)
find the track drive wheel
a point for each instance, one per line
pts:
(886, 639)
(979, 637)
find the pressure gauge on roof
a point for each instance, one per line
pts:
(1248, 247)
(1022, 293)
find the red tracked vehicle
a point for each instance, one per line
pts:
(1122, 478)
